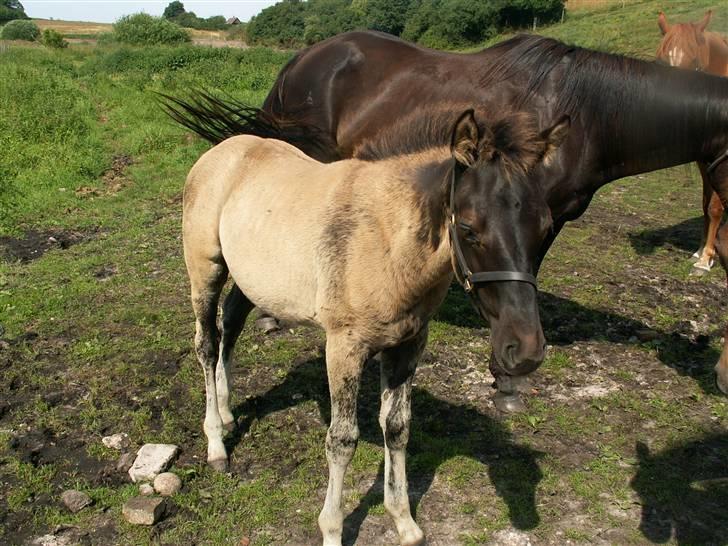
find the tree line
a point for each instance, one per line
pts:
(434, 23)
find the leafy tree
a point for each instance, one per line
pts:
(173, 9)
(386, 15)
(20, 30)
(53, 39)
(281, 24)
(143, 29)
(326, 18)
(11, 10)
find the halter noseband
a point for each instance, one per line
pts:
(467, 279)
(722, 157)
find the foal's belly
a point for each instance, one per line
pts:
(269, 244)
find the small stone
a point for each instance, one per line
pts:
(74, 500)
(143, 510)
(167, 484)
(146, 490)
(116, 441)
(125, 462)
(646, 334)
(152, 459)
(245, 541)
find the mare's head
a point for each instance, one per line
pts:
(684, 45)
(501, 221)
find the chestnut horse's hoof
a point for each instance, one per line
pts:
(220, 465)
(509, 403)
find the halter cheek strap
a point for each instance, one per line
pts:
(722, 157)
(467, 279)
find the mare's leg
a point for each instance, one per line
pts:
(712, 215)
(398, 367)
(344, 362)
(235, 311)
(207, 277)
(719, 182)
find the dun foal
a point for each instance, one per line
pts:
(366, 250)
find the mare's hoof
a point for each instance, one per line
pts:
(509, 403)
(220, 465)
(230, 427)
(721, 382)
(522, 384)
(267, 325)
(417, 542)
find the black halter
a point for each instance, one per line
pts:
(467, 279)
(722, 157)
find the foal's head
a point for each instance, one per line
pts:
(501, 221)
(684, 45)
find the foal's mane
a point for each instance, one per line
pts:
(643, 101)
(515, 137)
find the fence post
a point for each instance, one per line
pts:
(535, 22)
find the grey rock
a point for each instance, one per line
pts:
(118, 441)
(143, 510)
(146, 490)
(167, 484)
(74, 500)
(125, 461)
(510, 537)
(152, 459)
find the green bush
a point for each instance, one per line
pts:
(54, 39)
(20, 30)
(10, 10)
(143, 29)
(237, 33)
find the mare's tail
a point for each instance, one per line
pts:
(215, 119)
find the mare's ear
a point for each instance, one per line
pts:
(704, 21)
(662, 23)
(554, 136)
(464, 140)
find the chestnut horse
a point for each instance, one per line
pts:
(690, 46)
(366, 250)
(628, 116)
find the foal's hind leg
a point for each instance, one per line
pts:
(207, 277)
(235, 311)
(712, 215)
(344, 362)
(398, 366)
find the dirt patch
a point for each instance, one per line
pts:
(114, 179)
(35, 243)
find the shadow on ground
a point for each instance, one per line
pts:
(684, 236)
(566, 321)
(440, 431)
(684, 492)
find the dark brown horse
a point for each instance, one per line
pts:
(628, 116)
(690, 46)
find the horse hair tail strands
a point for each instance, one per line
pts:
(216, 119)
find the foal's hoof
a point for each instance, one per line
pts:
(699, 270)
(267, 325)
(220, 465)
(509, 403)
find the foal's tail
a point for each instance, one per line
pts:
(216, 119)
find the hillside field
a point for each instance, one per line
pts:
(624, 440)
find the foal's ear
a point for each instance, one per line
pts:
(464, 141)
(554, 136)
(704, 21)
(662, 23)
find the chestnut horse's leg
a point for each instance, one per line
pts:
(207, 278)
(345, 360)
(712, 215)
(235, 311)
(397, 370)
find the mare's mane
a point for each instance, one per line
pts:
(639, 100)
(514, 138)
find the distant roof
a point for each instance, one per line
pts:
(233, 21)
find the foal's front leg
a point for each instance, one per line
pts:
(397, 371)
(344, 363)
(712, 215)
